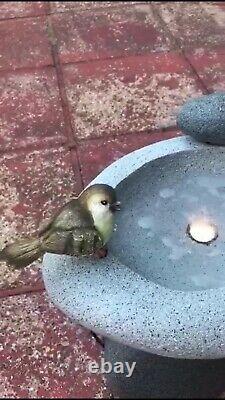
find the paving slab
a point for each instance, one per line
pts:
(120, 31)
(195, 25)
(210, 66)
(24, 43)
(30, 109)
(64, 6)
(133, 94)
(45, 355)
(19, 9)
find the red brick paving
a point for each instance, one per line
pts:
(118, 32)
(24, 43)
(30, 109)
(221, 4)
(133, 94)
(210, 66)
(43, 354)
(63, 6)
(194, 24)
(16, 9)
(125, 70)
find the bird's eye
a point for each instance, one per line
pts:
(104, 202)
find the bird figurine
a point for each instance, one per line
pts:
(82, 227)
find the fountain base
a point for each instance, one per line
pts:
(163, 377)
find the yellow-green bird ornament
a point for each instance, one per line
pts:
(82, 227)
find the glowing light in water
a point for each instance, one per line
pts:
(202, 231)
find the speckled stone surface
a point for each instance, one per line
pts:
(204, 118)
(127, 301)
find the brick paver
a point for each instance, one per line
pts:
(18, 9)
(210, 66)
(24, 43)
(43, 354)
(30, 109)
(195, 25)
(97, 34)
(133, 94)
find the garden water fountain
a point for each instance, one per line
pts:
(158, 298)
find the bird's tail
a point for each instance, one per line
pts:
(22, 253)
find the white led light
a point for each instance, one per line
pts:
(202, 231)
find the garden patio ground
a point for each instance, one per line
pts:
(81, 85)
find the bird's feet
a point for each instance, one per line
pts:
(101, 253)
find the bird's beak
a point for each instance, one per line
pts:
(115, 206)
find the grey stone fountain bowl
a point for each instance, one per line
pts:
(157, 290)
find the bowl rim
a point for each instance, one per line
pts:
(183, 323)
(120, 169)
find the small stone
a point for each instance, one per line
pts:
(65, 343)
(204, 118)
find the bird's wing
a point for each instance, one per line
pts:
(76, 242)
(72, 215)
(84, 241)
(71, 232)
